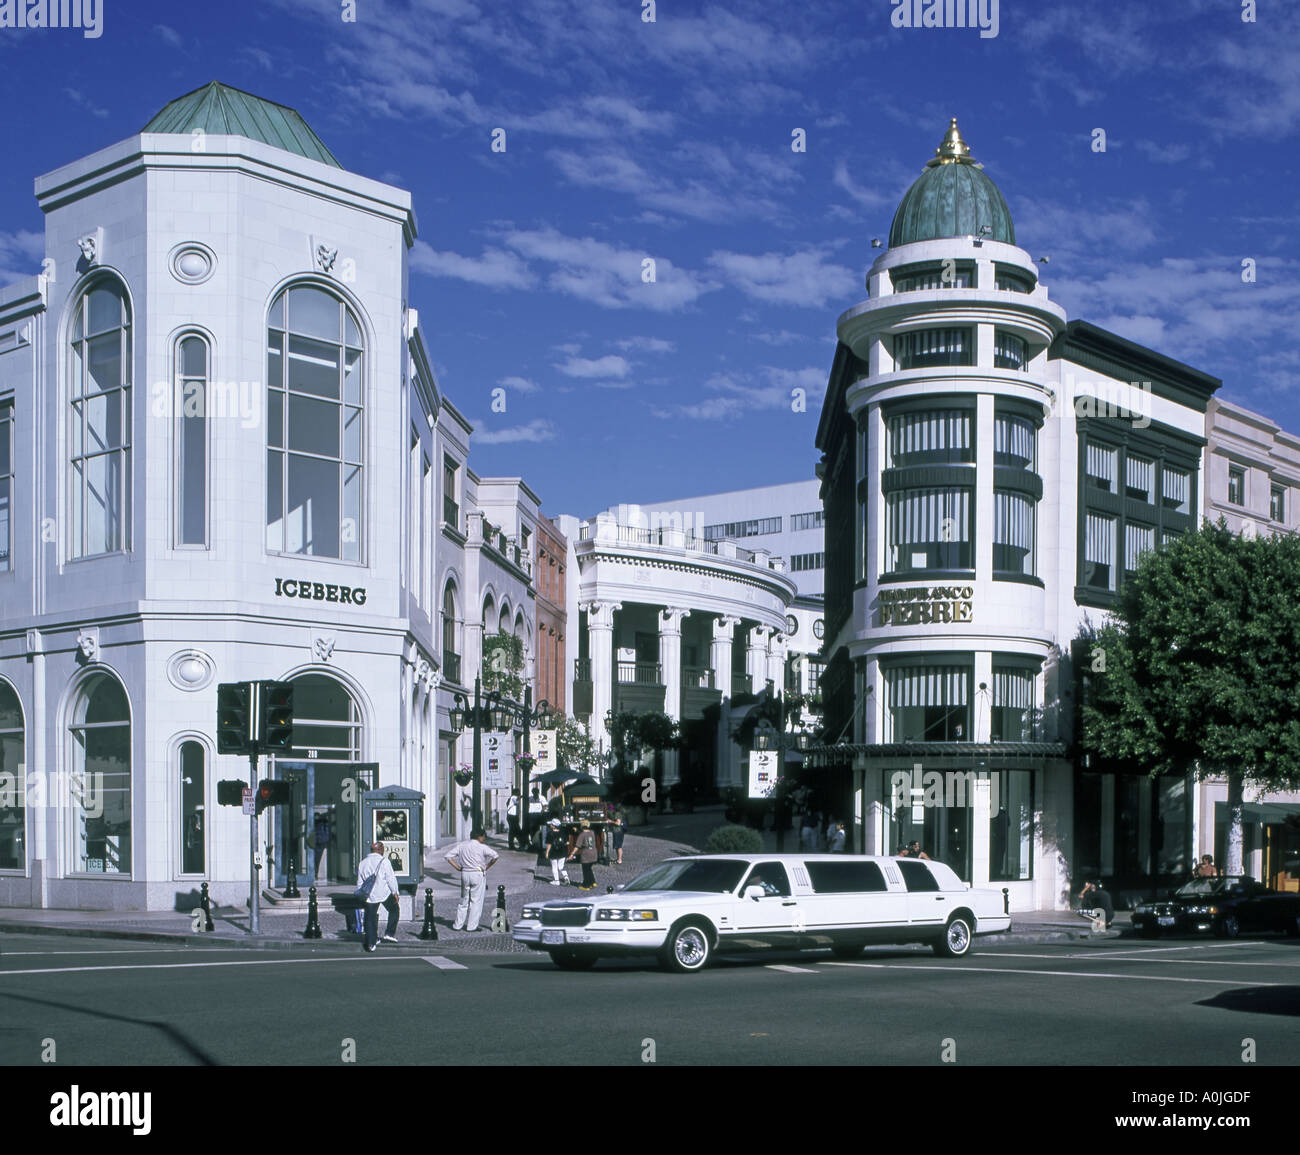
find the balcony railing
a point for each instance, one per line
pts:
(697, 678)
(741, 684)
(450, 513)
(640, 673)
(582, 669)
(451, 667)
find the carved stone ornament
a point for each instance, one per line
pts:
(325, 257)
(323, 647)
(88, 644)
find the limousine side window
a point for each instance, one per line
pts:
(845, 877)
(917, 876)
(773, 876)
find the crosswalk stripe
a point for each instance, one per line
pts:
(791, 970)
(443, 964)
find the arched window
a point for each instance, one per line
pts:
(450, 653)
(315, 431)
(101, 778)
(326, 721)
(190, 460)
(13, 792)
(99, 386)
(191, 766)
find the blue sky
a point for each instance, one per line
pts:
(671, 140)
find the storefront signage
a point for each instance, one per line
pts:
(320, 592)
(926, 604)
(390, 828)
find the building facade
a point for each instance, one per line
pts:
(224, 457)
(990, 472)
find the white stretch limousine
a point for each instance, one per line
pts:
(685, 909)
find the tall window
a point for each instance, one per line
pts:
(931, 347)
(928, 703)
(1011, 826)
(1014, 441)
(1176, 485)
(912, 278)
(191, 445)
(450, 656)
(937, 437)
(326, 721)
(1013, 705)
(450, 508)
(1276, 505)
(100, 785)
(191, 760)
(99, 379)
(315, 431)
(1138, 539)
(6, 486)
(1139, 478)
(1100, 466)
(1099, 552)
(13, 785)
(1236, 485)
(1013, 533)
(928, 529)
(1009, 351)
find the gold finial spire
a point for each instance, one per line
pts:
(953, 150)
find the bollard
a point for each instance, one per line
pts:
(1006, 901)
(291, 890)
(428, 931)
(206, 903)
(609, 890)
(313, 916)
(499, 924)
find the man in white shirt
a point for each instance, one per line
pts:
(376, 883)
(473, 859)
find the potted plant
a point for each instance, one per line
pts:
(463, 775)
(526, 762)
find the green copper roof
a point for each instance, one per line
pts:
(952, 198)
(222, 110)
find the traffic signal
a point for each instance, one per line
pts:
(272, 792)
(234, 718)
(231, 793)
(277, 715)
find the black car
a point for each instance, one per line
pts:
(1227, 906)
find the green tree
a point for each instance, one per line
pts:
(1198, 669)
(574, 746)
(503, 665)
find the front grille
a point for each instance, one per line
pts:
(565, 915)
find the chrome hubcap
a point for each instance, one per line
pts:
(690, 948)
(957, 936)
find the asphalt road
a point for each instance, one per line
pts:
(1182, 1003)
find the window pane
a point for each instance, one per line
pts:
(101, 489)
(1013, 533)
(276, 317)
(1099, 552)
(942, 436)
(928, 529)
(352, 377)
(313, 426)
(103, 309)
(314, 312)
(103, 421)
(275, 418)
(1139, 478)
(274, 500)
(313, 367)
(1137, 540)
(312, 525)
(1011, 825)
(275, 361)
(352, 513)
(104, 360)
(1013, 442)
(193, 810)
(193, 479)
(1099, 466)
(1176, 488)
(194, 357)
(352, 435)
(351, 334)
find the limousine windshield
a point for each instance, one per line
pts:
(715, 876)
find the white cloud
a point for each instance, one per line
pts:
(769, 388)
(538, 430)
(494, 269)
(169, 35)
(870, 198)
(520, 384)
(646, 344)
(804, 278)
(21, 253)
(599, 367)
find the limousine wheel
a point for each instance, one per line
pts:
(1228, 926)
(687, 949)
(568, 960)
(956, 938)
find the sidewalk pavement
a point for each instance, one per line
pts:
(518, 871)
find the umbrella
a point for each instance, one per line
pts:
(589, 789)
(557, 777)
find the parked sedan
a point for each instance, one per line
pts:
(1227, 906)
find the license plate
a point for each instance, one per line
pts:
(552, 936)
(1167, 920)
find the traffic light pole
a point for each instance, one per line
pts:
(254, 889)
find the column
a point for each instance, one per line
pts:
(724, 629)
(756, 657)
(776, 662)
(600, 648)
(670, 663)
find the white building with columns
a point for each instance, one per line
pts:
(668, 621)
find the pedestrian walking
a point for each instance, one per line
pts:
(376, 883)
(513, 814)
(585, 852)
(536, 808)
(620, 832)
(473, 859)
(557, 851)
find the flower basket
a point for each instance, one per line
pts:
(463, 777)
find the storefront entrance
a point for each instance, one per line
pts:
(319, 828)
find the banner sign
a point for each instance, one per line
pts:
(497, 760)
(543, 749)
(764, 772)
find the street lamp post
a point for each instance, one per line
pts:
(767, 737)
(478, 716)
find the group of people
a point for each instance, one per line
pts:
(815, 836)
(525, 820)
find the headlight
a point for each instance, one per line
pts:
(532, 912)
(605, 914)
(610, 914)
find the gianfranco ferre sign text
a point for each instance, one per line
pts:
(926, 604)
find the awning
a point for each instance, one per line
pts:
(847, 752)
(1267, 813)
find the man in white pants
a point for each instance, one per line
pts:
(473, 859)
(377, 884)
